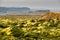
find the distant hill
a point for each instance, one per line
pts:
(10, 9)
(21, 11)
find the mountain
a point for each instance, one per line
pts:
(10, 9)
(21, 11)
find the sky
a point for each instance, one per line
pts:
(39, 4)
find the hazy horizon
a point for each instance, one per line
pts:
(34, 4)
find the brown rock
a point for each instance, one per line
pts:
(51, 15)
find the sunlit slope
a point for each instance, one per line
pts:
(51, 15)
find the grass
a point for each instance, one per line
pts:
(29, 28)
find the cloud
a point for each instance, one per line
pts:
(31, 3)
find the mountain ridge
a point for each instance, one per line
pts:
(7, 9)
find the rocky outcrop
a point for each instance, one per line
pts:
(51, 15)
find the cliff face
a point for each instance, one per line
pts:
(51, 15)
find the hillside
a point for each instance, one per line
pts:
(51, 15)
